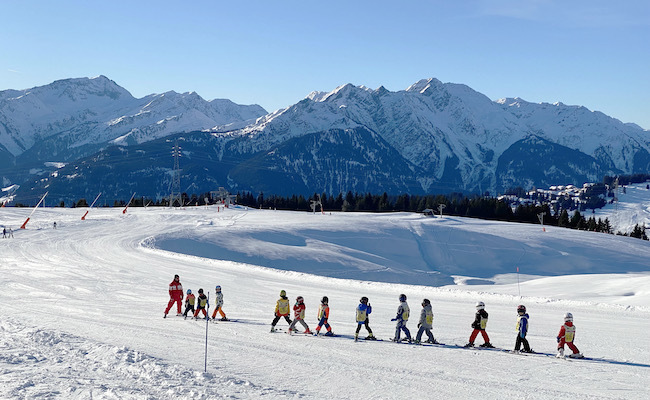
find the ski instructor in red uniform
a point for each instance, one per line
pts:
(175, 295)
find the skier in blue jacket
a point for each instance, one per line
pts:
(363, 310)
(522, 330)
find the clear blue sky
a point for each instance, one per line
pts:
(593, 53)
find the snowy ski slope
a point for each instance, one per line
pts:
(81, 308)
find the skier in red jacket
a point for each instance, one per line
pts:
(175, 295)
(566, 336)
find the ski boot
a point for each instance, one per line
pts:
(370, 337)
(329, 333)
(487, 345)
(560, 353)
(470, 344)
(356, 337)
(273, 329)
(308, 332)
(165, 315)
(576, 355)
(224, 319)
(417, 341)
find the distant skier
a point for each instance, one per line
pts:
(219, 305)
(201, 305)
(402, 317)
(11, 233)
(175, 295)
(522, 330)
(479, 325)
(190, 300)
(281, 310)
(426, 322)
(299, 315)
(363, 311)
(323, 316)
(566, 336)
(4, 233)
(54, 224)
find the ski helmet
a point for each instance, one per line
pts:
(217, 288)
(402, 297)
(568, 317)
(364, 300)
(325, 300)
(189, 291)
(299, 299)
(426, 302)
(480, 305)
(176, 277)
(200, 291)
(283, 293)
(521, 309)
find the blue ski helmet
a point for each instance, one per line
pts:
(189, 291)
(402, 297)
(217, 288)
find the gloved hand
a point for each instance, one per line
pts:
(394, 319)
(558, 339)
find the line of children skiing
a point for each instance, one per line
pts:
(364, 309)
(566, 335)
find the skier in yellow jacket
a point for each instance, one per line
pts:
(281, 310)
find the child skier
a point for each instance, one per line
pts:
(426, 323)
(281, 310)
(323, 316)
(522, 330)
(202, 304)
(402, 317)
(363, 310)
(479, 325)
(189, 303)
(219, 305)
(299, 315)
(566, 335)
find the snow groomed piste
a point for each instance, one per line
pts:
(96, 290)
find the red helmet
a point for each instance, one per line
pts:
(521, 309)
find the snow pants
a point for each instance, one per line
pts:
(188, 309)
(572, 346)
(302, 321)
(218, 309)
(196, 313)
(474, 334)
(422, 329)
(173, 300)
(365, 323)
(520, 341)
(323, 321)
(401, 326)
(277, 318)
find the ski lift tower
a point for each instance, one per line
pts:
(176, 178)
(315, 203)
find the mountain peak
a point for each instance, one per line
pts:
(425, 86)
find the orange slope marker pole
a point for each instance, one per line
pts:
(91, 206)
(127, 204)
(32, 213)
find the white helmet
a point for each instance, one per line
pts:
(568, 317)
(480, 305)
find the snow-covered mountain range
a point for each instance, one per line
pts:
(73, 118)
(429, 138)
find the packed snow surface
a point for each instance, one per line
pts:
(81, 306)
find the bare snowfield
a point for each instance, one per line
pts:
(81, 309)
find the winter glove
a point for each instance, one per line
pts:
(394, 319)
(558, 339)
